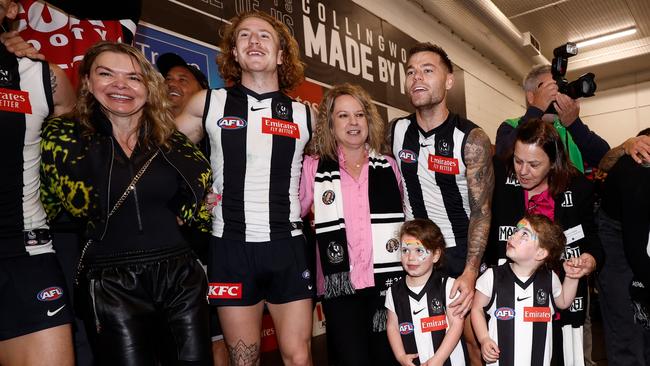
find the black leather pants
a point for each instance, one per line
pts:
(148, 309)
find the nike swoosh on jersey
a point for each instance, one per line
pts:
(53, 313)
(253, 109)
(418, 311)
(523, 298)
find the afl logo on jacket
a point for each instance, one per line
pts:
(231, 123)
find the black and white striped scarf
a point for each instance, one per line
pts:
(386, 216)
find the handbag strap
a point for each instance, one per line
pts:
(132, 184)
(127, 191)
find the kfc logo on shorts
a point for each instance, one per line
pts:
(406, 328)
(504, 313)
(224, 291)
(231, 123)
(50, 294)
(407, 156)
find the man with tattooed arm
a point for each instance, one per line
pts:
(447, 172)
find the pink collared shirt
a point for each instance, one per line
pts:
(541, 203)
(356, 211)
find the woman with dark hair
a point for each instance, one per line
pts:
(537, 178)
(118, 165)
(353, 188)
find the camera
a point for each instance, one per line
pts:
(582, 87)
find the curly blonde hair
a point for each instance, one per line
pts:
(290, 72)
(156, 123)
(323, 142)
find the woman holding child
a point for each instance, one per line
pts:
(538, 178)
(353, 188)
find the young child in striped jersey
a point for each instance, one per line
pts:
(512, 309)
(420, 329)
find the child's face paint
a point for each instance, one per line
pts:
(414, 246)
(526, 230)
(523, 244)
(417, 260)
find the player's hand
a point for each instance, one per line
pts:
(212, 199)
(544, 95)
(464, 284)
(638, 148)
(489, 350)
(17, 45)
(580, 266)
(407, 359)
(433, 362)
(567, 109)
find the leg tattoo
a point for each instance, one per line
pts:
(242, 354)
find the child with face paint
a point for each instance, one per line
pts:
(512, 309)
(420, 330)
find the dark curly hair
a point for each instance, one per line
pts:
(290, 72)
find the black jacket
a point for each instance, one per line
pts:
(76, 174)
(574, 209)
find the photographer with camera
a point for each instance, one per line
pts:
(541, 93)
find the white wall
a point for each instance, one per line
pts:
(618, 113)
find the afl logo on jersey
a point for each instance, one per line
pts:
(504, 313)
(231, 123)
(50, 294)
(406, 328)
(407, 156)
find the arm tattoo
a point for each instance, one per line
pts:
(480, 183)
(53, 83)
(611, 157)
(242, 354)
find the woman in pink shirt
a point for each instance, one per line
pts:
(353, 189)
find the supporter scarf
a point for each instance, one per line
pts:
(386, 216)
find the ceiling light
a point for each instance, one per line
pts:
(606, 37)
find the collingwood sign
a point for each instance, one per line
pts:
(339, 40)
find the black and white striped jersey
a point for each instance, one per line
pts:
(434, 176)
(25, 101)
(520, 313)
(256, 148)
(421, 313)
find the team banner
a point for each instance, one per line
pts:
(339, 40)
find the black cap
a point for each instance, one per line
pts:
(167, 61)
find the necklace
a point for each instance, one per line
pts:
(358, 163)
